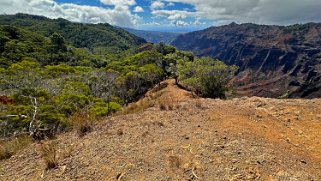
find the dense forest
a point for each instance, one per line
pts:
(51, 70)
(99, 38)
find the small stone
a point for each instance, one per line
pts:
(120, 132)
(63, 169)
(303, 161)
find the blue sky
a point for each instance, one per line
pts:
(149, 21)
(170, 15)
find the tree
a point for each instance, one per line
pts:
(103, 86)
(21, 75)
(152, 73)
(172, 71)
(58, 43)
(164, 49)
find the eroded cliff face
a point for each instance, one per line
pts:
(273, 60)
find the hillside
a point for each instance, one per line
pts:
(91, 36)
(184, 138)
(154, 36)
(272, 59)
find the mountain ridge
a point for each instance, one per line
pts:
(81, 35)
(183, 137)
(272, 59)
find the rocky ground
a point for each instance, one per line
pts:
(181, 137)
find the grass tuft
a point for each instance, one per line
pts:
(49, 155)
(10, 147)
(82, 123)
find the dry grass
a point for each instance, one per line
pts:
(160, 87)
(148, 101)
(199, 104)
(141, 105)
(82, 123)
(174, 162)
(136, 107)
(10, 147)
(67, 152)
(49, 155)
(166, 103)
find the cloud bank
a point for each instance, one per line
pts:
(172, 13)
(280, 12)
(119, 15)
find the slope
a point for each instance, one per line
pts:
(181, 137)
(272, 59)
(91, 36)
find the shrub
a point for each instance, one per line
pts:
(104, 109)
(205, 76)
(214, 87)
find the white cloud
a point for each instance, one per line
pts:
(157, 5)
(119, 2)
(180, 23)
(171, 4)
(152, 24)
(119, 15)
(200, 11)
(175, 14)
(198, 22)
(138, 9)
(257, 11)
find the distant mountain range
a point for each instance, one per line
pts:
(273, 60)
(154, 36)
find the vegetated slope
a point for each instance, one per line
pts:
(154, 36)
(272, 59)
(81, 35)
(184, 138)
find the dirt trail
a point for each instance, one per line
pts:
(186, 138)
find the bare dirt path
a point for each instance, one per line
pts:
(186, 138)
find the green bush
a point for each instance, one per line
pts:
(103, 109)
(207, 77)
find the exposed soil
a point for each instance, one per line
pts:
(187, 138)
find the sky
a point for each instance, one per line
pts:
(171, 15)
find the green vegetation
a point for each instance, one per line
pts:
(45, 80)
(94, 37)
(56, 75)
(207, 77)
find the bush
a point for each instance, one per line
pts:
(104, 109)
(214, 87)
(205, 76)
